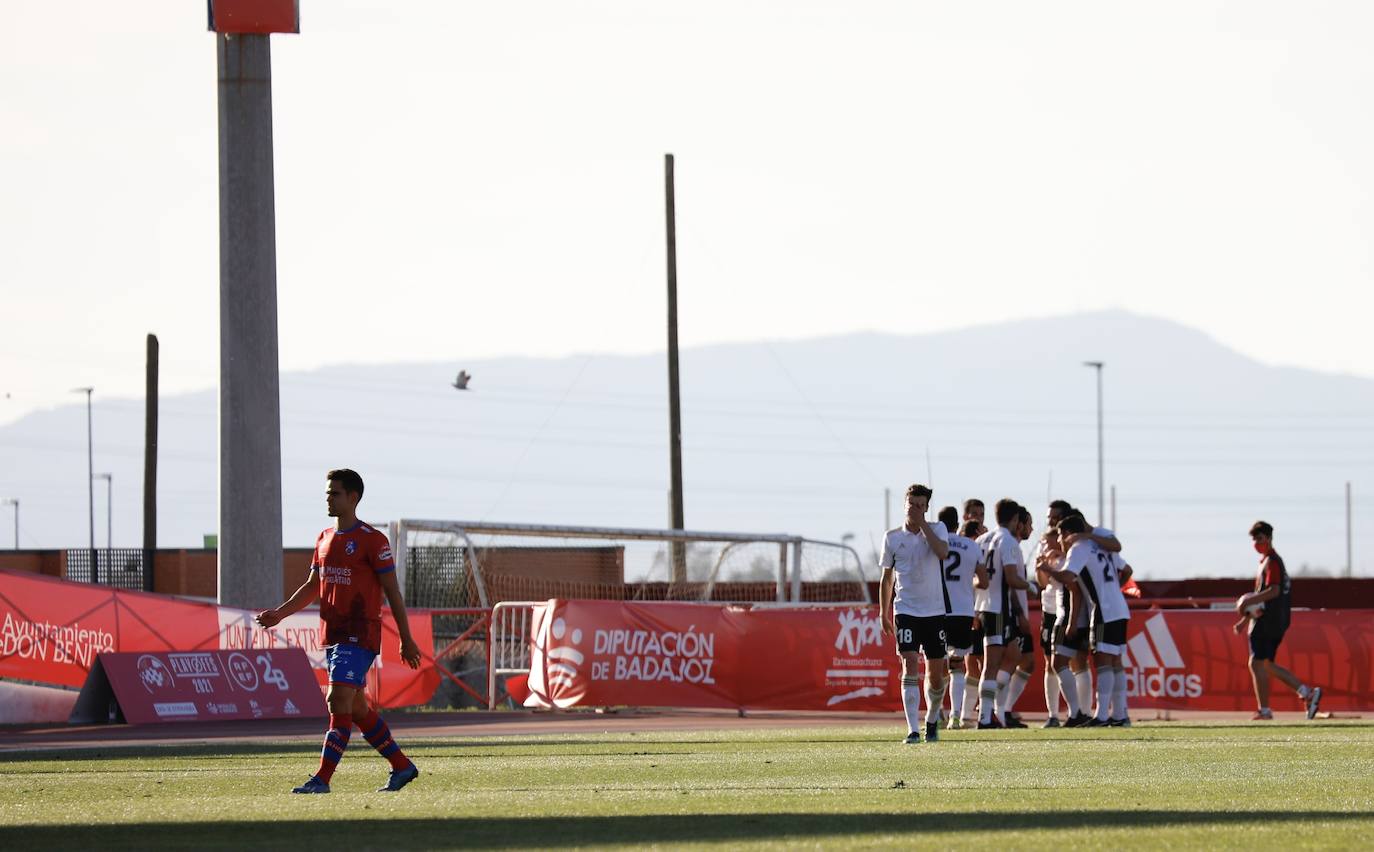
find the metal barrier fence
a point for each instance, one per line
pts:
(121, 567)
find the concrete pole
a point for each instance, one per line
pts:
(150, 465)
(90, 480)
(250, 537)
(679, 549)
(1101, 477)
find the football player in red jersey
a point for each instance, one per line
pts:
(350, 571)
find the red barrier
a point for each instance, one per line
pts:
(51, 631)
(690, 655)
(199, 686)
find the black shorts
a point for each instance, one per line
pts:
(924, 634)
(1110, 638)
(994, 628)
(1069, 647)
(1027, 642)
(959, 634)
(1047, 621)
(1264, 647)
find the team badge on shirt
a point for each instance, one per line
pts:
(350, 547)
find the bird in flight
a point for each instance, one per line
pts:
(461, 382)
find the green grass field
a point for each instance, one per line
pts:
(1153, 785)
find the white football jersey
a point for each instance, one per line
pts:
(964, 555)
(980, 596)
(1049, 596)
(919, 587)
(1097, 576)
(1003, 553)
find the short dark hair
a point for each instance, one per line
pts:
(1262, 528)
(919, 491)
(1073, 525)
(971, 502)
(949, 516)
(1063, 507)
(1077, 513)
(970, 528)
(349, 479)
(1023, 515)
(1006, 511)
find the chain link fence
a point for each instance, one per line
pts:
(121, 567)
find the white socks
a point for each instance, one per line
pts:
(911, 703)
(1119, 695)
(971, 697)
(1069, 687)
(935, 699)
(956, 694)
(1106, 681)
(1019, 679)
(1052, 691)
(1003, 678)
(1085, 690)
(987, 691)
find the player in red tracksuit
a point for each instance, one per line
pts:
(350, 571)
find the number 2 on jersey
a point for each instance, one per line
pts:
(952, 565)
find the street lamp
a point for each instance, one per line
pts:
(90, 475)
(1101, 505)
(14, 501)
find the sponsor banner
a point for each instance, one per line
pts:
(201, 686)
(52, 630)
(611, 652)
(689, 655)
(818, 659)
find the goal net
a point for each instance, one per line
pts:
(452, 564)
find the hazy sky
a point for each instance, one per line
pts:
(457, 180)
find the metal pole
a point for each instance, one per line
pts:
(109, 521)
(1113, 508)
(1101, 478)
(150, 406)
(250, 533)
(887, 509)
(90, 479)
(1349, 538)
(674, 401)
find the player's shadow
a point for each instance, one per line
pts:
(553, 831)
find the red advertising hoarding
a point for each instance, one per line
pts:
(51, 632)
(690, 655)
(201, 686)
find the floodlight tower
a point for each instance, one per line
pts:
(250, 537)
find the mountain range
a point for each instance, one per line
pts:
(798, 436)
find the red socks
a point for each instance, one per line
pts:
(378, 735)
(335, 741)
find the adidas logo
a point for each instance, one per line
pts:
(290, 708)
(1150, 654)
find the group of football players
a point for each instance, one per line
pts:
(956, 593)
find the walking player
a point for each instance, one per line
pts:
(912, 603)
(1272, 595)
(349, 572)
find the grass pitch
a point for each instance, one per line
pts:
(1153, 785)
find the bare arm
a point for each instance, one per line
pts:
(1126, 573)
(299, 600)
(1264, 595)
(1109, 543)
(937, 545)
(885, 603)
(410, 652)
(1014, 580)
(1075, 604)
(980, 575)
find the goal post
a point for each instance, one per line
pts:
(455, 563)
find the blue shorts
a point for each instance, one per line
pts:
(348, 664)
